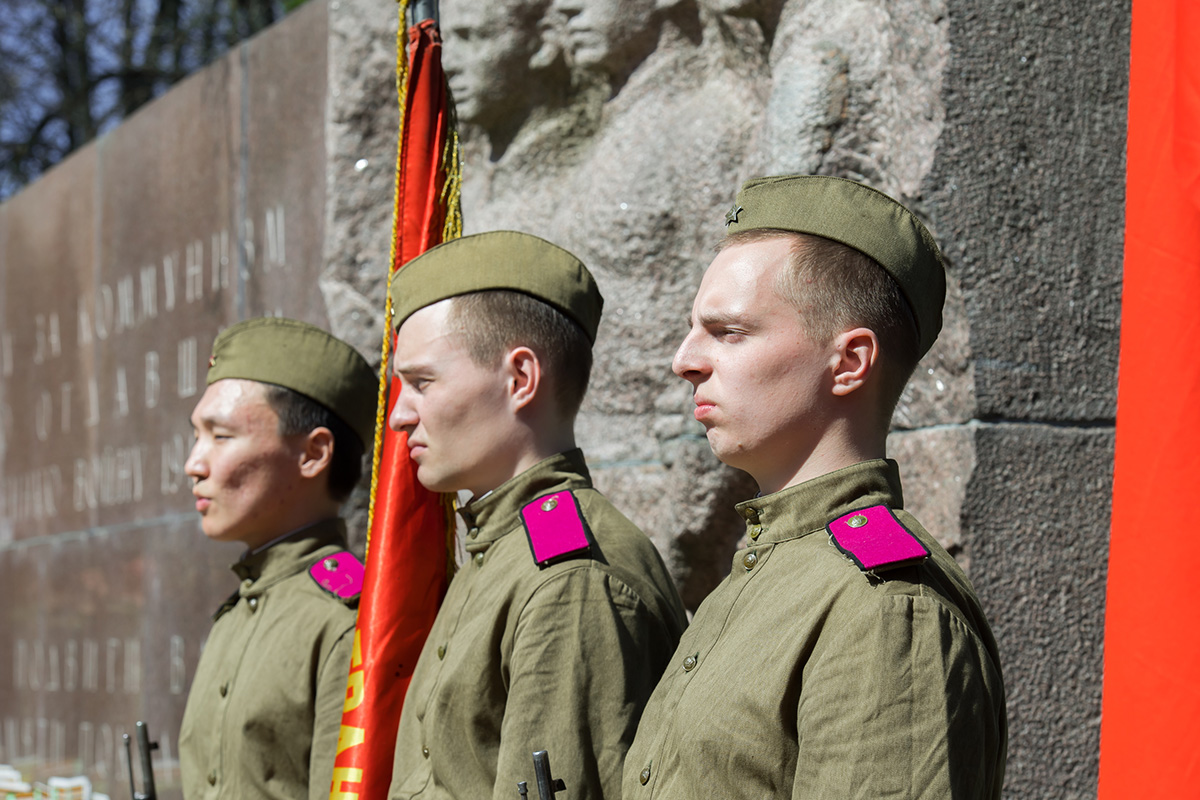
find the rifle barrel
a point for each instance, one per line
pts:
(149, 792)
(548, 785)
(129, 763)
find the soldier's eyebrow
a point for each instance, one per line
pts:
(711, 319)
(204, 421)
(411, 367)
(211, 418)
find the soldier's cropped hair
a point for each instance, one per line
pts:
(299, 414)
(493, 322)
(837, 288)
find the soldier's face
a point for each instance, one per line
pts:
(759, 382)
(456, 413)
(245, 475)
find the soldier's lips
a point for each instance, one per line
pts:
(703, 409)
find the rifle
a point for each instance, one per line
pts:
(144, 748)
(548, 785)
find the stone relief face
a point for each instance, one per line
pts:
(487, 56)
(610, 36)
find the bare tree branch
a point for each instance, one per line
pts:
(70, 69)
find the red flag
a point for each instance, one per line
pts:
(407, 546)
(1149, 736)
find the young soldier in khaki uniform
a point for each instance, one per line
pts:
(279, 438)
(554, 632)
(846, 655)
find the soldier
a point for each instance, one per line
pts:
(279, 438)
(846, 655)
(555, 630)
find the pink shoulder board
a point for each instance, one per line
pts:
(555, 529)
(340, 574)
(875, 540)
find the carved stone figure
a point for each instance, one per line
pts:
(500, 68)
(612, 37)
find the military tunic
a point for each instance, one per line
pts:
(265, 706)
(522, 658)
(803, 676)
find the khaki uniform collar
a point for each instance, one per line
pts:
(499, 511)
(262, 569)
(808, 507)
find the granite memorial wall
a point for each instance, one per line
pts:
(117, 269)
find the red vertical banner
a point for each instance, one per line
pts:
(1150, 727)
(408, 562)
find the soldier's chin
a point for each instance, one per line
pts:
(434, 482)
(217, 533)
(729, 455)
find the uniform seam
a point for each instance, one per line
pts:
(565, 574)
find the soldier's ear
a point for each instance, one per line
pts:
(317, 453)
(523, 372)
(854, 359)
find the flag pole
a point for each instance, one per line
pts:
(409, 555)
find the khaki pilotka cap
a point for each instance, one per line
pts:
(519, 262)
(859, 217)
(305, 359)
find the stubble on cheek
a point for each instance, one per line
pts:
(249, 493)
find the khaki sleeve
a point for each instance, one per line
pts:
(327, 716)
(895, 703)
(586, 655)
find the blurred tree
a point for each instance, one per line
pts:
(72, 69)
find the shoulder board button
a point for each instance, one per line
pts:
(340, 574)
(555, 529)
(875, 540)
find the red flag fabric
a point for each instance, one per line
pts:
(407, 553)
(1149, 737)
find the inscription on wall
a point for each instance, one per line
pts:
(95, 395)
(79, 667)
(117, 269)
(61, 412)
